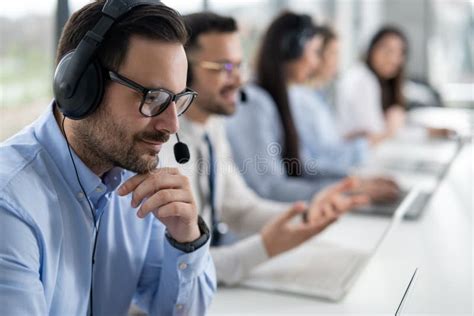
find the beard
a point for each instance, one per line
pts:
(216, 105)
(106, 143)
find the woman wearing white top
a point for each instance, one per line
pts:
(369, 96)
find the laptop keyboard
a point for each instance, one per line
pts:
(388, 209)
(318, 269)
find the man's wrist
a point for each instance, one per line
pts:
(201, 240)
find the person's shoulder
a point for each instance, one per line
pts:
(358, 78)
(258, 100)
(16, 155)
(302, 93)
(25, 178)
(254, 91)
(360, 72)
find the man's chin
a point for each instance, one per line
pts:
(227, 108)
(142, 164)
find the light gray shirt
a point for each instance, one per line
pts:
(237, 205)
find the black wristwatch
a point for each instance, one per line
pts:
(193, 245)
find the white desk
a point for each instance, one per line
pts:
(440, 244)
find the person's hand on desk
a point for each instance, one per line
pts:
(441, 133)
(379, 189)
(167, 194)
(283, 233)
(373, 138)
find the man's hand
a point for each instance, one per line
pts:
(380, 189)
(167, 194)
(283, 233)
(336, 200)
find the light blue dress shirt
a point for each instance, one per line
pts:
(320, 140)
(255, 133)
(47, 235)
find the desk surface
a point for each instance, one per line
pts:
(440, 244)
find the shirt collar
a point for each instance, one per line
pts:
(52, 139)
(194, 130)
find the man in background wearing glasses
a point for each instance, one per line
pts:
(269, 227)
(87, 222)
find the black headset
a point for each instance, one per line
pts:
(79, 78)
(293, 42)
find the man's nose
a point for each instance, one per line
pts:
(168, 119)
(236, 77)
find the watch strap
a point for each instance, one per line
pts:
(193, 245)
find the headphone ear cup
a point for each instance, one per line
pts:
(88, 93)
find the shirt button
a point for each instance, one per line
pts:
(183, 265)
(99, 190)
(179, 307)
(80, 195)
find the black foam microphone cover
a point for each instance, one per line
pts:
(181, 152)
(243, 96)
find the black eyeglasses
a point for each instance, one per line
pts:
(155, 101)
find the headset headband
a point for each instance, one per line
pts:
(112, 11)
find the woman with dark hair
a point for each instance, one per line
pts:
(369, 97)
(289, 53)
(263, 132)
(320, 139)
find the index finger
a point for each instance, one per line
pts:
(131, 184)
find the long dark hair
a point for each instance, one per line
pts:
(391, 88)
(283, 42)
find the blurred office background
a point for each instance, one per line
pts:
(440, 32)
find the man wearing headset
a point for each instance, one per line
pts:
(87, 222)
(269, 227)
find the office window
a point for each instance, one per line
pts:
(26, 60)
(185, 6)
(451, 51)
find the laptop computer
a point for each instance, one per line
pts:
(402, 303)
(431, 167)
(387, 209)
(319, 269)
(419, 203)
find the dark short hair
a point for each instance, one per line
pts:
(206, 22)
(201, 23)
(150, 21)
